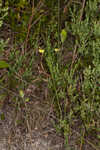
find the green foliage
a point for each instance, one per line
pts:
(63, 35)
(3, 14)
(75, 85)
(76, 91)
(3, 64)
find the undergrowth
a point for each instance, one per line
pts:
(74, 83)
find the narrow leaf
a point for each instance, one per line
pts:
(3, 64)
(63, 35)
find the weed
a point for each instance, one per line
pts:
(74, 80)
(75, 87)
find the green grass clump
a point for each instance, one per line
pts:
(75, 86)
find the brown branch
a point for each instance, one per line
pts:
(82, 10)
(75, 47)
(29, 27)
(65, 11)
(34, 10)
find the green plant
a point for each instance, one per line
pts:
(75, 87)
(3, 14)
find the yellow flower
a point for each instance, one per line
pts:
(41, 50)
(27, 99)
(57, 49)
(21, 93)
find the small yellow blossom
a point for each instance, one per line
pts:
(21, 93)
(41, 50)
(57, 49)
(27, 99)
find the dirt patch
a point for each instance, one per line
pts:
(32, 132)
(32, 129)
